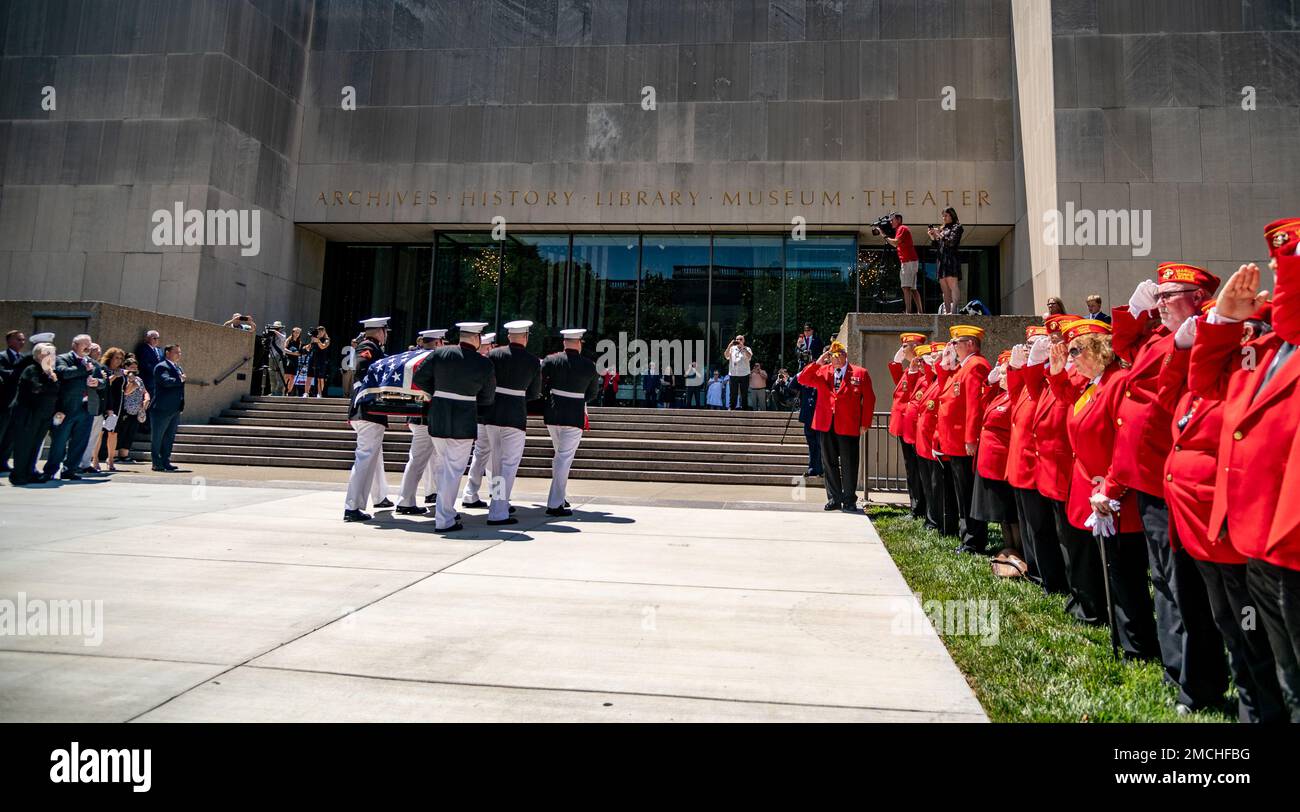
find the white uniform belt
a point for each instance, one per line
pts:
(566, 394)
(453, 396)
(519, 393)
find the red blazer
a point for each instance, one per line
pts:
(1055, 455)
(928, 416)
(1191, 465)
(1262, 518)
(904, 382)
(1092, 427)
(995, 437)
(1142, 440)
(848, 410)
(1025, 385)
(961, 406)
(915, 400)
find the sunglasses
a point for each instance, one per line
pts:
(1167, 295)
(1075, 352)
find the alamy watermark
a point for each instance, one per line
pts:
(179, 226)
(52, 618)
(1099, 227)
(951, 618)
(634, 357)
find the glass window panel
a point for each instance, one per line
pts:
(602, 286)
(820, 287)
(674, 292)
(532, 287)
(465, 279)
(747, 296)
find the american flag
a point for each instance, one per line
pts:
(388, 386)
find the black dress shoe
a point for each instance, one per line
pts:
(831, 505)
(559, 511)
(850, 509)
(477, 503)
(43, 478)
(430, 498)
(511, 520)
(157, 468)
(355, 516)
(512, 508)
(452, 529)
(387, 503)
(962, 548)
(566, 503)
(171, 467)
(69, 475)
(413, 510)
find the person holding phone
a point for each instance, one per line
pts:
(318, 371)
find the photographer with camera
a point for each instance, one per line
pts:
(946, 239)
(738, 357)
(908, 263)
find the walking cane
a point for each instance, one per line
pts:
(1110, 610)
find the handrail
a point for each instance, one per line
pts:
(217, 381)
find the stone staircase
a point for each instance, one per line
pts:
(665, 445)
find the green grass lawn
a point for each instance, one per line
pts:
(1044, 666)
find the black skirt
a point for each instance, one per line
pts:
(993, 500)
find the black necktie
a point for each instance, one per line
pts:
(1284, 354)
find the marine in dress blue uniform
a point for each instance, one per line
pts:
(421, 462)
(369, 427)
(569, 383)
(478, 465)
(519, 380)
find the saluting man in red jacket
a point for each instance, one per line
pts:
(907, 375)
(1190, 645)
(1253, 507)
(961, 415)
(845, 402)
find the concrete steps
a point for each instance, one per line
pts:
(669, 445)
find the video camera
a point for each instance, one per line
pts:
(884, 226)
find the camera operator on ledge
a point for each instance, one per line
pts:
(907, 263)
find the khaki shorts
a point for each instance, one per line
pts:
(907, 274)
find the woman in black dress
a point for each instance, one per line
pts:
(946, 239)
(32, 413)
(292, 351)
(319, 371)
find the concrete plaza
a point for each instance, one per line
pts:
(229, 599)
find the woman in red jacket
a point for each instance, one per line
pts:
(1094, 498)
(1190, 471)
(941, 508)
(907, 375)
(993, 500)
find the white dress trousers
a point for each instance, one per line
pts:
(506, 446)
(370, 445)
(478, 466)
(565, 441)
(417, 464)
(453, 454)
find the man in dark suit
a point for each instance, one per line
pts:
(76, 378)
(150, 354)
(12, 363)
(166, 407)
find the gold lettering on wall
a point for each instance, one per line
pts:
(654, 198)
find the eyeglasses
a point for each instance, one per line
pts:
(964, 340)
(1169, 294)
(1075, 352)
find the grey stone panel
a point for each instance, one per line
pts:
(102, 281)
(1098, 71)
(24, 29)
(1196, 70)
(81, 152)
(589, 73)
(1284, 58)
(768, 70)
(853, 20)
(843, 70)
(1176, 144)
(499, 133)
(1246, 62)
(1225, 144)
(1080, 141)
(1074, 17)
(181, 87)
(1274, 143)
(879, 74)
(807, 71)
(898, 130)
(1148, 72)
(936, 131)
(1127, 144)
(141, 274)
(936, 18)
(749, 20)
(18, 217)
(787, 20)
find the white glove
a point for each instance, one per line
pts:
(931, 358)
(949, 358)
(1144, 297)
(898, 356)
(1186, 334)
(1215, 318)
(1040, 349)
(995, 375)
(1019, 355)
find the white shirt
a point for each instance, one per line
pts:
(738, 358)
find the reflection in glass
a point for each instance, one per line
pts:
(602, 292)
(532, 287)
(674, 304)
(467, 268)
(820, 288)
(747, 296)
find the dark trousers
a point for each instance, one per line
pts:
(945, 494)
(68, 442)
(6, 433)
(1130, 595)
(974, 533)
(29, 430)
(1083, 573)
(1276, 592)
(127, 426)
(1191, 647)
(738, 392)
(814, 440)
(1254, 671)
(840, 464)
(162, 431)
(694, 397)
(1041, 546)
(933, 501)
(912, 465)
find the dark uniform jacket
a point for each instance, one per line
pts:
(516, 368)
(169, 389)
(10, 369)
(459, 370)
(73, 392)
(368, 352)
(568, 371)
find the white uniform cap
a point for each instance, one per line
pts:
(520, 326)
(375, 322)
(41, 338)
(430, 334)
(489, 338)
(471, 326)
(573, 333)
